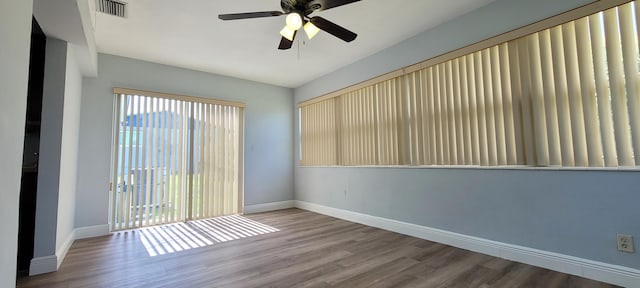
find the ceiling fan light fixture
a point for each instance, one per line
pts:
(287, 32)
(311, 30)
(297, 14)
(294, 21)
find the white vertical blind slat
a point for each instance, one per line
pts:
(507, 106)
(465, 111)
(357, 128)
(487, 75)
(426, 123)
(362, 127)
(144, 197)
(632, 76)
(153, 178)
(225, 161)
(218, 179)
(170, 181)
(598, 48)
(370, 122)
(349, 133)
(386, 134)
(458, 98)
(404, 117)
(481, 110)
(451, 121)
(435, 115)
(549, 99)
(181, 173)
(318, 126)
(618, 88)
(431, 112)
(526, 105)
(416, 121)
(207, 168)
(588, 91)
(124, 179)
(516, 88)
(162, 161)
(499, 115)
(473, 110)
(134, 198)
(538, 117)
(562, 97)
(443, 129)
(358, 122)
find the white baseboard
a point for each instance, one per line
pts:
(268, 207)
(604, 272)
(90, 231)
(61, 252)
(51, 263)
(41, 265)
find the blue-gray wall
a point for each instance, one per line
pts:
(53, 97)
(268, 173)
(58, 152)
(571, 212)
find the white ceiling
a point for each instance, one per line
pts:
(188, 34)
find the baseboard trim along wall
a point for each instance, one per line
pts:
(41, 265)
(62, 251)
(90, 231)
(51, 263)
(268, 207)
(604, 272)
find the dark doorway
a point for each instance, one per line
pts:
(29, 185)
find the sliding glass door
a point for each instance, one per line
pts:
(175, 158)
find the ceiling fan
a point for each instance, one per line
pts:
(298, 12)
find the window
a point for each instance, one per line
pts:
(565, 95)
(175, 158)
(361, 127)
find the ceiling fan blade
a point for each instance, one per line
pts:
(249, 15)
(285, 43)
(328, 4)
(333, 29)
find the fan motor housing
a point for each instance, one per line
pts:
(303, 7)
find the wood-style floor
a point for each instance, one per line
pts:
(288, 248)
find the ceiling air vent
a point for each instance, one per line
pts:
(112, 7)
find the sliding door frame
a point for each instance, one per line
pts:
(189, 106)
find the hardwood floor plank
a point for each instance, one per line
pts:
(517, 275)
(450, 271)
(286, 248)
(476, 276)
(377, 274)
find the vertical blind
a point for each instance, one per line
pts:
(567, 96)
(362, 127)
(318, 126)
(462, 111)
(175, 159)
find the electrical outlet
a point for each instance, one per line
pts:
(625, 243)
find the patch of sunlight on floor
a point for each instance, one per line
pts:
(176, 237)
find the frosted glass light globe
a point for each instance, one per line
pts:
(294, 21)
